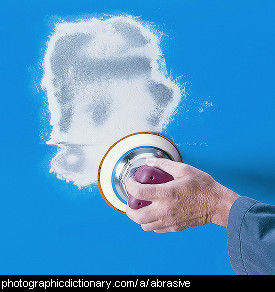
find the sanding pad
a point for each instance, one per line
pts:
(125, 155)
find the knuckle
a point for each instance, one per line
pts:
(165, 191)
(208, 178)
(162, 221)
(186, 168)
(189, 181)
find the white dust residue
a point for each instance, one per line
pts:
(104, 79)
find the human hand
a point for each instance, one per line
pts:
(193, 198)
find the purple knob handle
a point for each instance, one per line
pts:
(148, 175)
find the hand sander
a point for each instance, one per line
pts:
(127, 158)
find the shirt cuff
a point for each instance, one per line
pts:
(236, 217)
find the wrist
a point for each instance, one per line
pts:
(225, 199)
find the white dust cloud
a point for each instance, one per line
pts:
(104, 79)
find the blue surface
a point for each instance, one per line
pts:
(224, 51)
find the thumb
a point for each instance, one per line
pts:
(167, 165)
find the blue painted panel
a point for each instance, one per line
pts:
(223, 51)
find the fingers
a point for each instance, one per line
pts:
(152, 225)
(176, 205)
(176, 169)
(146, 192)
(150, 221)
(164, 230)
(141, 191)
(176, 227)
(144, 215)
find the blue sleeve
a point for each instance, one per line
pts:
(251, 237)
